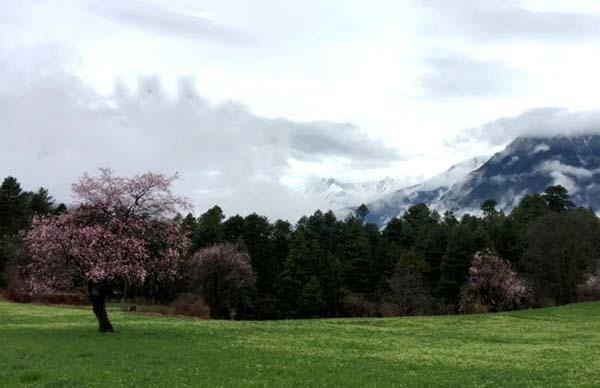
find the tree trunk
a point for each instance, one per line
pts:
(125, 289)
(97, 295)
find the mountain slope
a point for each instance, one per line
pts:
(336, 194)
(429, 191)
(527, 165)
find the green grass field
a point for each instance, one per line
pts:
(57, 347)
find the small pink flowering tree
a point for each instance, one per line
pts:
(493, 286)
(589, 289)
(121, 231)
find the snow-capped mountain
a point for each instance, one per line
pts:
(430, 191)
(336, 195)
(527, 165)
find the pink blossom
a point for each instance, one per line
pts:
(493, 285)
(121, 230)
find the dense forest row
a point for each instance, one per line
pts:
(545, 252)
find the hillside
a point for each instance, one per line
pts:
(51, 346)
(430, 191)
(527, 165)
(341, 196)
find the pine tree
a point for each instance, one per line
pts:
(561, 249)
(557, 198)
(13, 207)
(529, 208)
(462, 245)
(310, 301)
(233, 228)
(209, 230)
(41, 202)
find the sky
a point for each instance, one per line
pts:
(246, 100)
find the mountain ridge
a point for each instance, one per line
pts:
(527, 165)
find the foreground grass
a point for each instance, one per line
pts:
(58, 347)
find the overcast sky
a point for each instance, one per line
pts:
(246, 98)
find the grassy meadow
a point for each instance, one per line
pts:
(45, 346)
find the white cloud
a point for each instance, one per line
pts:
(566, 175)
(541, 148)
(558, 167)
(347, 62)
(540, 122)
(54, 127)
(191, 24)
(509, 19)
(565, 181)
(513, 160)
(458, 76)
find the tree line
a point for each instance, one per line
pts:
(17, 208)
(544, 252)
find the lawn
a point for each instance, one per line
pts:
(57, 347)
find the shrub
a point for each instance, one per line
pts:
(441, 307)
(191, 305)
(493, 286)
(187, 304)
(151, 309)
(357, 305)
(62, 298)
(20, 296)
(17, 296)
(387, 309)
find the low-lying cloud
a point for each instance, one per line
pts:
(540, 122)
(54, 127)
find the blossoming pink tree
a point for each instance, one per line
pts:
(493, 286)
(122, 230)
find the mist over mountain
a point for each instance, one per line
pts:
(430, 191)
(342, 196)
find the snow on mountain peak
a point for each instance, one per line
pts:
(339, 195)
